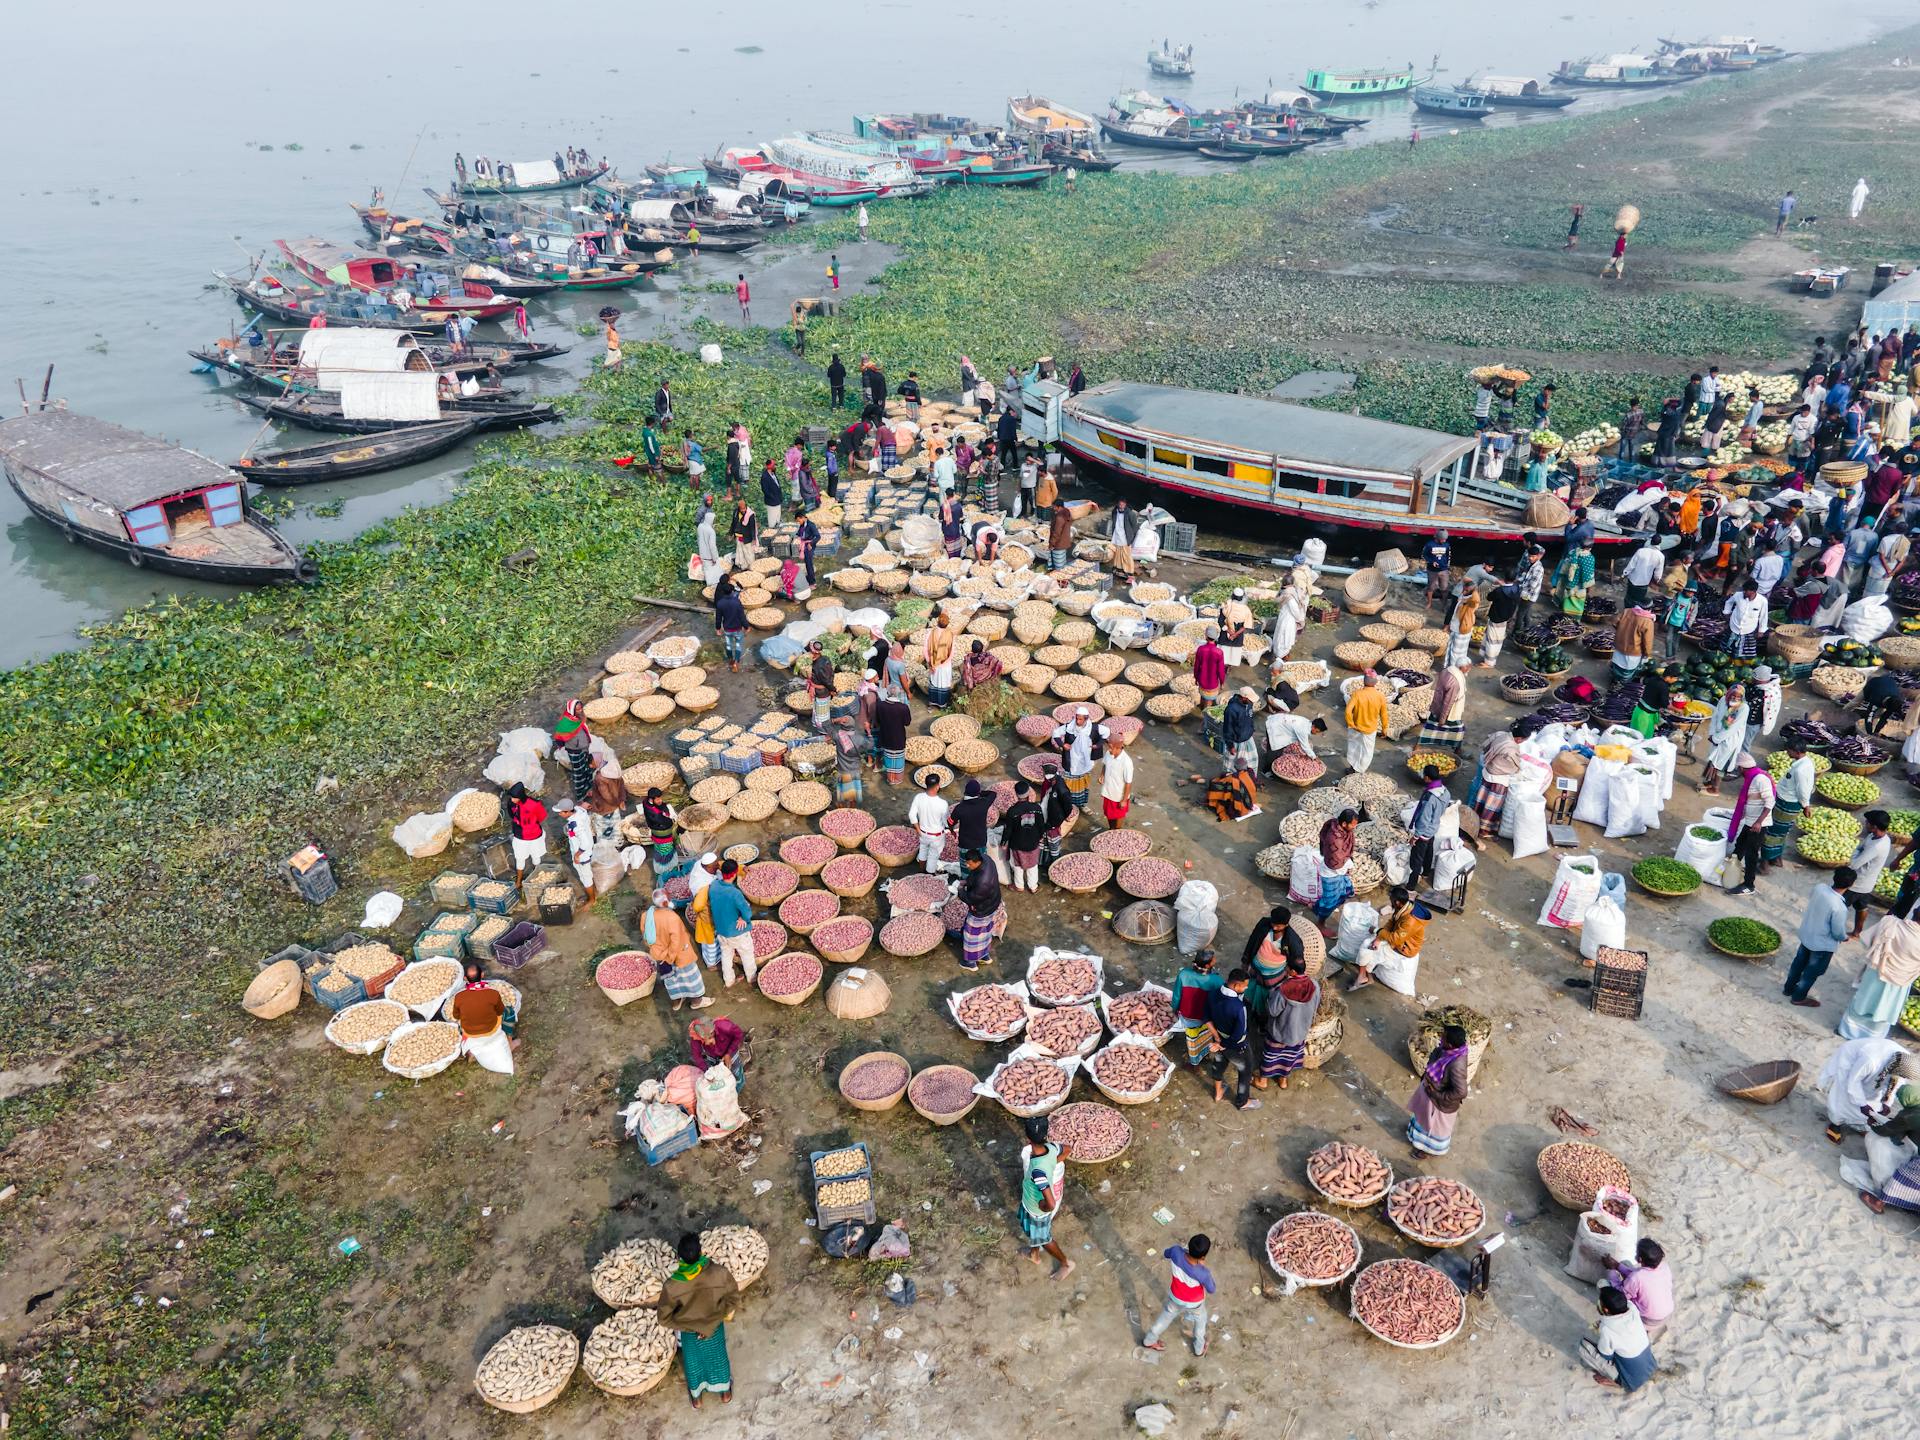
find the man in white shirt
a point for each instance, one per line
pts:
(1076, 742)
(1116, 784)
(944, 472)
(1284, 729)
(1746, 621)
(1647, 565)
(1709, 390)
(1869, 859)
(1768, 569)
(1887, 559)
(928, 816)
(1899, 424)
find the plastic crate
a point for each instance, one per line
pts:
(682, 741)
(740, 759)
(1617, 992)
(828, 1216)
(1179, 539)
(441, 944)
(866, 1162)
(300, 955)
(354, 993)
(496, 856)
(520, 944)
(476, 941)
(557, 912)
(316, 884)
(497, 901)
(667, 1149)
(450, 888)
(695, 768)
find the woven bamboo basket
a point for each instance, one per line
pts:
(1103, 665)
(1767, 1083)
(1801, 644)
(1365, 592)
(275, 991)
(1329, 1028)
(1426, 1034)
(875, 1105)
(1580, 1199)
(950, 1117)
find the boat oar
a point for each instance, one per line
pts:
(264, 426)
(46, 387)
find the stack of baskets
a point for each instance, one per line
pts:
(1366, 592)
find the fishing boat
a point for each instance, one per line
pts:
(372, 404)
(1622, 72)
(404, 232)
(1231, 157)
(1315, 467)
(150, 502)
(307, 304)
(1517, 92)
(1451, 100)
(677, 177)
(938, 158)
(278, 359)
(1081, 157)
(1171, 60)
(1733, 46)
(523, 177)
(612, 271)
(1254, 144)
(1037, 115)
(825, 177)
(325, 263)
(1004, 170)
(1306, 110)
(1358, 84)
(1129, 123)
(355, 454)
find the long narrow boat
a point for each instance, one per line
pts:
(1358, 84)
(325, 263)
(1622, 72)
(153, 504)
(1155, 130)
(1231, 157)
(1315, 467)
(1037, 115)
(315, 411)
(1005, 170)
(355, 454)
(404, 232)
(1517, 92)
(524, 177)
(308, 305)
(1746, 46)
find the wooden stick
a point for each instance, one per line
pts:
(46, 387)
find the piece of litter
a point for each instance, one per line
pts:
(892, 1332)
(760, 1187)
(349, 1246)
(485, 1211)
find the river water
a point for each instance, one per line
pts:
(152, 145)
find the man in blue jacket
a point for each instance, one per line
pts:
(1227, 1013)
(732, 922)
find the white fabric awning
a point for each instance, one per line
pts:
(337, 352)
(409, 395)
(534, 172)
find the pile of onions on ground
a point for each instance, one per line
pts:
(893, 841)
(1312, 1246)
(810, 850)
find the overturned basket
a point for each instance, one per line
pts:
(1767, 1083)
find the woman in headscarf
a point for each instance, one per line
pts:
(1290, 1014)
(969, 379)
(1651, 708)
(1191, 987)
(1270, 944)
(1499, 768)
(1460, 631)
(1726, 738)
(575, 748)
(1893, 962)
(939, 659)
(665, 935)
(1435, 1107)
(820, 685)
(697, 1300)
(1445, 723)
(1902, 1188)
(717, 1042)
(1289, 618)
(1572, 578)
(662, 828)
(1336, 859)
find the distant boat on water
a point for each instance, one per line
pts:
(1171, 60)
(1358, 84)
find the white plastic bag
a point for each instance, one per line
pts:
(1576, 884)
(1602, 1240)
(1865, 621)
(1883, 1158)
(1701, 853)
(1529, 824)
(1595, 792)
(710, 354)
(1397, 861)
(1358, 923)
(1303, 880)
(1450, 862)
(1623, 804)
(717, 1103)
(1195, 915)
(1647, 778)
(1606, 924)
(423, 834)
(383, 909)
(517, 767)
(529, 738)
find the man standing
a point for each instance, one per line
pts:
(1529, 582)
(1227, 1013)
(860, 222)
(1787, 202)
(1858, 200)
(1236, 729)
(732, 923)
(1502, 605)
(1187, 1291)
(1075, 742)
(707, 545)
(1022, 830)
(1647, 565)
(837, 381)
(1116, 783)
(1869, 860)
(928, 816)
(1824, 928)
(1427, 815)
(1366, 722)
(1437, 554)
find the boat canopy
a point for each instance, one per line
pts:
(534, 172)
(658, 212)
(409, 395)
(335, 262)
(1506, 85)
(1299, 99)
(1894, 308)
(726, 199)
(100, 461)
(1295, 436)
(339, 351)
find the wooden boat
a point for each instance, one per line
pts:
(1171, 60)
(524, 177)
(1254, 146)
(1126, 123)
(1231, 157)
(1358, 84)
(1517, 92)
(152, 503)
(355, 454)
(1622, 72)
(314, 359)
(1316, 467)
(1733, 46)
(1037, 115)
(327, 264)
(1004, 170)
(1452, 101)
(507, 282)
(404, 232)
(829, 175)
(314, 410)
(305, 304)
(1081, 158)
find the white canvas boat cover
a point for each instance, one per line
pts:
(336, 352)
(409, 395)
(656, 212)
(534, 172)
(725, 199)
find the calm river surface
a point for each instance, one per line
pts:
(138, 161)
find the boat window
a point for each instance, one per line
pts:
(1258, 474)
(1170, 457)
(148, 526)
(223, 504)
(1308, 483)
(1136, 448)
(1111, 441)
(1207, 465)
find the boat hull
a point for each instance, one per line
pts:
(293, 568)
(1015, 175)
(287, 310)
(566, 182)
(330, 418)
(343, 459)
(1145, 141)
(1531, 102)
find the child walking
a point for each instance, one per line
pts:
(1187, 1290)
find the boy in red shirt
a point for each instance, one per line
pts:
(1187, 1290)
